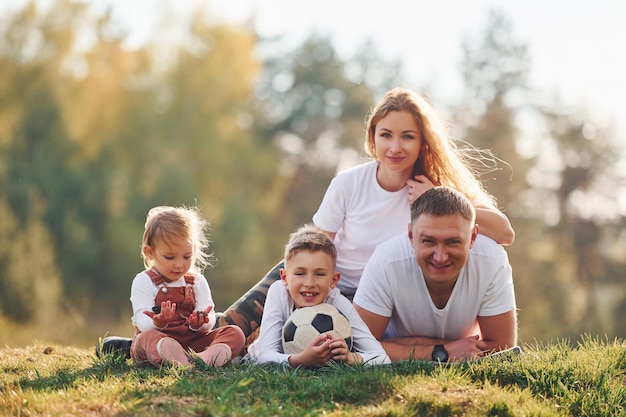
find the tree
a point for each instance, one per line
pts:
(550, 175)
(312, 106)
(589, 220)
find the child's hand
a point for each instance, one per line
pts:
(340, 352)
(317, 353)
(167, 314)
(198, 318)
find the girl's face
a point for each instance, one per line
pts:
(309, 276)
(171, 259)
(397, 142)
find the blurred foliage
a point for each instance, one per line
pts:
(93, 134)
(557, 186)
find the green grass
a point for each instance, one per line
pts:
(545, 380)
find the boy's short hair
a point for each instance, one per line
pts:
(310, 238)
(443, 201)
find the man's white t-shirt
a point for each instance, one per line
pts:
(363, 215)
(392, 285)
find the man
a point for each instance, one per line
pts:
(444, 293)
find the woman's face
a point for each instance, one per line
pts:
(397, 141)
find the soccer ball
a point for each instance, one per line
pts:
(306, 323)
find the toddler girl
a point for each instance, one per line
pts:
(172, 304)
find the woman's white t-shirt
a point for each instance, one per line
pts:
(363, 215)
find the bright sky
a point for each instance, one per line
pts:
(578, 48)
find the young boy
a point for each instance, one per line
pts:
(309, 278)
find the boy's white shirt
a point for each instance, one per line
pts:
(143, 293)
(278, 307)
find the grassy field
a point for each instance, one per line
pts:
(545, 380)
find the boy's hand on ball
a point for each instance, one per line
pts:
(310, 334)
(317, 353)
(341, 352)
(338, 349)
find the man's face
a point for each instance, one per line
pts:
(441, 245)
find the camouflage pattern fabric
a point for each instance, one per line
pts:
(247, 311)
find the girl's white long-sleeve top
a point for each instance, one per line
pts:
(143, 293)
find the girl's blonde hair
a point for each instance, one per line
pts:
(440, 160)
(165, 223)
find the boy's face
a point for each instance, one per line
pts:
(309, 276)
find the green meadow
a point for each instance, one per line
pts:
(556, 379)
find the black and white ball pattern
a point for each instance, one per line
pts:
(306, 323)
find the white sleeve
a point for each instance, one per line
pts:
(374, 291)
(500, 295)
(363, 342)
(142, 294)
(332, 211)
(270, 346)
(202, 292)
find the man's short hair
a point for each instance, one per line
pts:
(443, 201)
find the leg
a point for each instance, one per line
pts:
(225, 342)
(216, 355)
(143, 349)
(172, 352)
(248, 310)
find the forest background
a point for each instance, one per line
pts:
(94, 134)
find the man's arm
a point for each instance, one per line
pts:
(416, 347)
(418, 340)
(500, 331)
(376, 323)
(497, 333)
(408, 348)
(397, 349)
